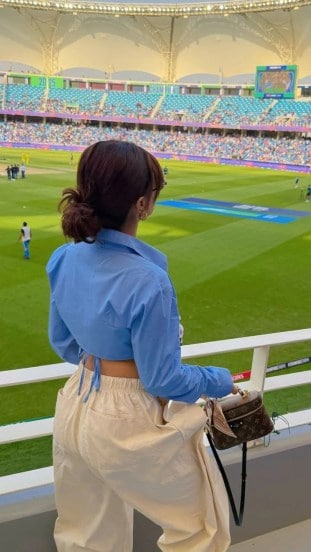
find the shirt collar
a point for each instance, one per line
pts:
(137, 246)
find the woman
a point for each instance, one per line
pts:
(118, 443)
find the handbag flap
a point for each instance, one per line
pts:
(238, 401)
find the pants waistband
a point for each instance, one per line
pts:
(113, 368)
(112, 381)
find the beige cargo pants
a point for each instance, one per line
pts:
(120, 450)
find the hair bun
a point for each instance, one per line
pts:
(80, 222)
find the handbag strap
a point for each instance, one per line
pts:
(238, 517)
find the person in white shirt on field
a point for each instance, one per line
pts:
(25, 236)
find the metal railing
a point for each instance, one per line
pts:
(259, 344)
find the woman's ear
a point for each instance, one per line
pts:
(141, 204)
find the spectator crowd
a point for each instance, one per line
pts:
(275, 150)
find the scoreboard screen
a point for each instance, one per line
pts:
(36, 80)
(53, 82)
(275, 81)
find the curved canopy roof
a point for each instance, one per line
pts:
(54, 38)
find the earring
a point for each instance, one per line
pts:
(143, 215)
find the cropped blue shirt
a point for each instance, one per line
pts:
(114, 299)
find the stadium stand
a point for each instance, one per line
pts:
(130, 104)
(167, 119)
(290, 112)
(236, 110)
(75, 100)
(22, 96)
(185, 107)
(1, 95)
(297, 151)
(223, 112)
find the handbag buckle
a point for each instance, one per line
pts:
(244, 394)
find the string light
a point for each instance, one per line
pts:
(217, 7)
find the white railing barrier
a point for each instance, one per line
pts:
(260, 344)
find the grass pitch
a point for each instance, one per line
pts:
(233, 277)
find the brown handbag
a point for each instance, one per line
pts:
(234, 421)
(238, 419)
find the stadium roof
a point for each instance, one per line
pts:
(170, 42)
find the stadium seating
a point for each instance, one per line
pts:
(289, 113)
(220, 111)
(130, 104)
(274, 150)
(1, 95)
(161, 104)
(22, 96)
(75, 100)
(236, 110)
(185, 107)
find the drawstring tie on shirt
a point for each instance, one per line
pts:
(96, 377)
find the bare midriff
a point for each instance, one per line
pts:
(116, 368)
(119, 369)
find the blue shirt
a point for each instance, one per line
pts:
(114, 299)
